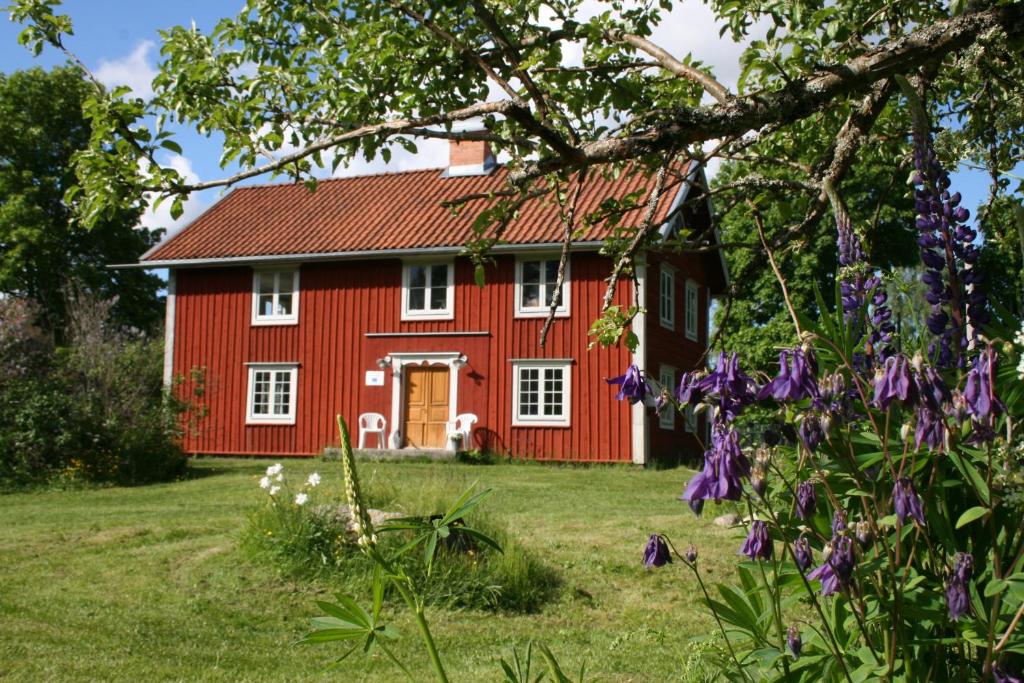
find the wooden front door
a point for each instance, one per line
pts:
(426, 407)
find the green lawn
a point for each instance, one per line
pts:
(149, 583)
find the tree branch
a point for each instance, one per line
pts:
(674, 66)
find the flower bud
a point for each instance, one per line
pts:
(865, 536)
(691, 554)
(794, 641)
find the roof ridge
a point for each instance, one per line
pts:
(375, 174)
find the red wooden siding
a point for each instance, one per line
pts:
(672, 347)
(340, 302)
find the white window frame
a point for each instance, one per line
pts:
(448, 312)
(689, 419)
(667, 379)
(667, 296)
(251, 417)
(563, 420)
(541, 311)
(274, 319)
(692, 310)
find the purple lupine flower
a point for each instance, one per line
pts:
(958, 599)
(734, 388)
(796, 379)
(906, 501)
(632, 385)
(794, 641)
(949, 254)
(802, 554)
(758, 544)
(978, 389)
(893, 381)
(806, 500)
(724, 465)
(1001, 674)
(656, 552)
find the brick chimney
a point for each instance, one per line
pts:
(470, 157)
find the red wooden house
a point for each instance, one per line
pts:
(354, 299)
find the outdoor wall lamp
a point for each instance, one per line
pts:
(384, 362)
(460, 361)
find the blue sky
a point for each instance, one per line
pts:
(119, 40)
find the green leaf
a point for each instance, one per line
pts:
(171, 145)
(995, 586)
(971, 515)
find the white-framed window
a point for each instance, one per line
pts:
(692, 310)
(428, 290)
(667, 296)
(535, 287)
(541, 394)
(689, 419)
(271, 395)
(275, 297)
(667, 380)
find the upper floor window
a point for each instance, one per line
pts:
(667, 380)
(427, 291)
(541, 395)
(275, 297)
(271, 396)
(667, 297)
(692, 310)
(535, 287)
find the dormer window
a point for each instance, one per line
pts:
(535, 287)
(275, 297)
(427, 291)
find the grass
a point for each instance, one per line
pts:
(150, 583)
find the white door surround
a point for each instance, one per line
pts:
(453, 359)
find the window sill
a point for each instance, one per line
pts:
(274, 322)
(290, 422)
(542, 425)
(527, 314)
(414, 317)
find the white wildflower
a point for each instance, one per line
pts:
(301, 499)
(314, 480)
(274, 469)
(274, 490)
(1020, 367)
(279, 478)
(265, 483)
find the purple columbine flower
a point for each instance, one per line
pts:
(906, 502)
(734, 388)
(958, 599)
(837, 568)
(802, 554)
(661, 402)
(839, 522)
(812, 430)
(632, 385)
(691, 553)
(656, 553)
(794, 641)
(1001, 674)
(758, 544)
(806, 500)
(893, 381)
(796, 379)
(687, 393)
(724, 465)
(978, 390)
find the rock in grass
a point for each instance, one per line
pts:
(727, 520)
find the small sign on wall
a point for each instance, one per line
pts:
(374, 378)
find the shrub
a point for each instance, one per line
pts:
(313, 540)
(94, 410)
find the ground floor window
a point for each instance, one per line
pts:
(271, 395)
(541, 393)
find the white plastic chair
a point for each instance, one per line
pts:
(463, 426)
(372, 423)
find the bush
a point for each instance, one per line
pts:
(311, 540)
(94, 410)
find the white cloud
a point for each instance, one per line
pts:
(133, 70)
(193, 206)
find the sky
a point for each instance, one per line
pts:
(119, 41)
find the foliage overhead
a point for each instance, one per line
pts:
(294, 87)
(43, 244)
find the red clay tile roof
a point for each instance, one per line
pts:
(379, 212)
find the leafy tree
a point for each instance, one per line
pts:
(295, 87)
(44, 246)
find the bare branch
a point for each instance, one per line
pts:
(673, 65)
(569, 223)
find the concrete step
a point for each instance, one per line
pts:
(415, 454)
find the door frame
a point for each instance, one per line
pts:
(452, 359)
